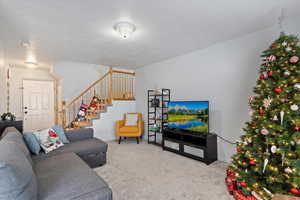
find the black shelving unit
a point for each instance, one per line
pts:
(157, 114)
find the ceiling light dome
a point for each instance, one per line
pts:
(125, 29)
(31, 64)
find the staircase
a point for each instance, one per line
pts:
(88, 106)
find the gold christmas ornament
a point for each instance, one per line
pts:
(255, 185)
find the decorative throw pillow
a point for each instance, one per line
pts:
(32, 142)
(48, 140)
(131, 119)
(61, 133)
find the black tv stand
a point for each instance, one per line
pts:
(202, 147)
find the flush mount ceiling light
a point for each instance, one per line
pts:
(125, 29)
(31, 64)
(26, 44)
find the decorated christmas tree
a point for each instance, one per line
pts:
(267, 161)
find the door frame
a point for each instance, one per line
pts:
(54, 96)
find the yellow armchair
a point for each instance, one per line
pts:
(130, 131)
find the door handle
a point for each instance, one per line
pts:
(25, 112)
(25, 107)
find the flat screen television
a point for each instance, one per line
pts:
(189, 115)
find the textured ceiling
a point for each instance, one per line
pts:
(81, 31)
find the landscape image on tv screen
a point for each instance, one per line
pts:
(190, 115)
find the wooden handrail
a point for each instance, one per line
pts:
(86, 90)
(122, 72)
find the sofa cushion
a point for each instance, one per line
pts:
(129, 129)
(80, 147)
(92, 151)
(66, 176)
(79, 134)
(85, 146)
(17, 180)
(11, 134)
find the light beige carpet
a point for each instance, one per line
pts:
(145, 172)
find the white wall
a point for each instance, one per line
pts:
(2, 80)
(76, 77)
(104, 128)
(224, 74)
(3, 89)
(17, 75)
(1, 54)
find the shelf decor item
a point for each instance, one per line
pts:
(8, 117)
(157, 114)
(155, 103)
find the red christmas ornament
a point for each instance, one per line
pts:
(296, 128)
(277, 90)
(262, 77)
(252, 162)
(261, 111)
(238, 195)
(274, 46)
(295, 191)
(270, 73)
(253, 124)
(231, 184)
(238, 150)
(243, 184)
(230, 173)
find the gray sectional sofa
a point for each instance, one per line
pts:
(64, 174)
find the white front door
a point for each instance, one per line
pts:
(38, 104)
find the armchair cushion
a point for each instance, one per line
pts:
(129, 129)
(131, 119)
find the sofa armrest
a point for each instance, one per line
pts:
(80, 134)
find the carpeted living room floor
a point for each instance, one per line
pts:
(145, 172)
